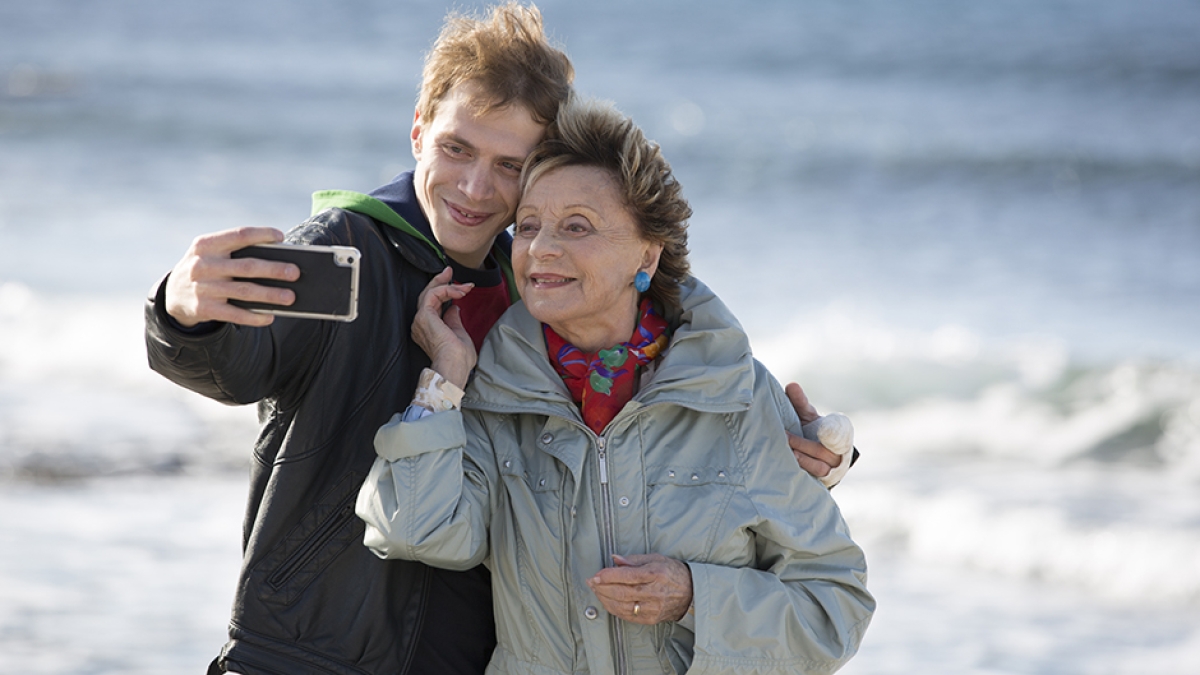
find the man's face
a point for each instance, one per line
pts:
(468, 170)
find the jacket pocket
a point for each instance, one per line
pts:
(320, 536)
(687, 509)
(534, 491)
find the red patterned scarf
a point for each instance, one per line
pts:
(602, 383)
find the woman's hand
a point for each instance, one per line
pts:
(442, 335)
(646, 589)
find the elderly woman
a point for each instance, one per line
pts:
(619, 460)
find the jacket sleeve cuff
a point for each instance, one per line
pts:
(399, 439)
(689, 618)
(700, 586)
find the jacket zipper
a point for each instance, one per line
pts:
(416, 636)
(313, 544)
(610, 548)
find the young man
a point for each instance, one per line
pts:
(310, 597)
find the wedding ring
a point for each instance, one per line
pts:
(636, 608)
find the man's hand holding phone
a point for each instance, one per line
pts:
(203, 282)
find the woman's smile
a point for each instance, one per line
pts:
(576, 249)
(549, 281)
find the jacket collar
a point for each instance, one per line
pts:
(395, 204)
(708, 365)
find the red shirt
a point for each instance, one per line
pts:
(481, 308)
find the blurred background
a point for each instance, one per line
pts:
(974, 227)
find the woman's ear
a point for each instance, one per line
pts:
(650, 258)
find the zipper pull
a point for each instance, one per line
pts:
(603, 462)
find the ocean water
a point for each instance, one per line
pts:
(975, 228)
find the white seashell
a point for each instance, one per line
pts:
(836, 433)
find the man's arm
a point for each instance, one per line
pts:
(197, 340)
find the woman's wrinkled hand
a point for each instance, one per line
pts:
(645, 589)
(441, 334)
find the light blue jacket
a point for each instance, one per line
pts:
(696, 467)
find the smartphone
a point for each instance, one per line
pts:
(328, 283)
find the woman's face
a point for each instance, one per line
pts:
(576, 249)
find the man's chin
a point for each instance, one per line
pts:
(468, 243)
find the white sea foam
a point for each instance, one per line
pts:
(77, 397)
(1132, 550)
(1010, 459)
(952, 392)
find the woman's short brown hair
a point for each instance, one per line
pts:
(507, 54)
(595, 134)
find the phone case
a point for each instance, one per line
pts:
(328, 283)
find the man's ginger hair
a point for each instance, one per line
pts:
(506, 54)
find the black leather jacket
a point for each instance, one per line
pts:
(311, 598)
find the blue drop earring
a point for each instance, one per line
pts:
(641, 281)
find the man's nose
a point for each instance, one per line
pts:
(477, 182)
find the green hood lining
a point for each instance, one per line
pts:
(372, 207)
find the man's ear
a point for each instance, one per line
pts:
(415, 135)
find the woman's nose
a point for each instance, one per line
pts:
(544, 244)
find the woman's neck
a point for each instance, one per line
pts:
(596, 333)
